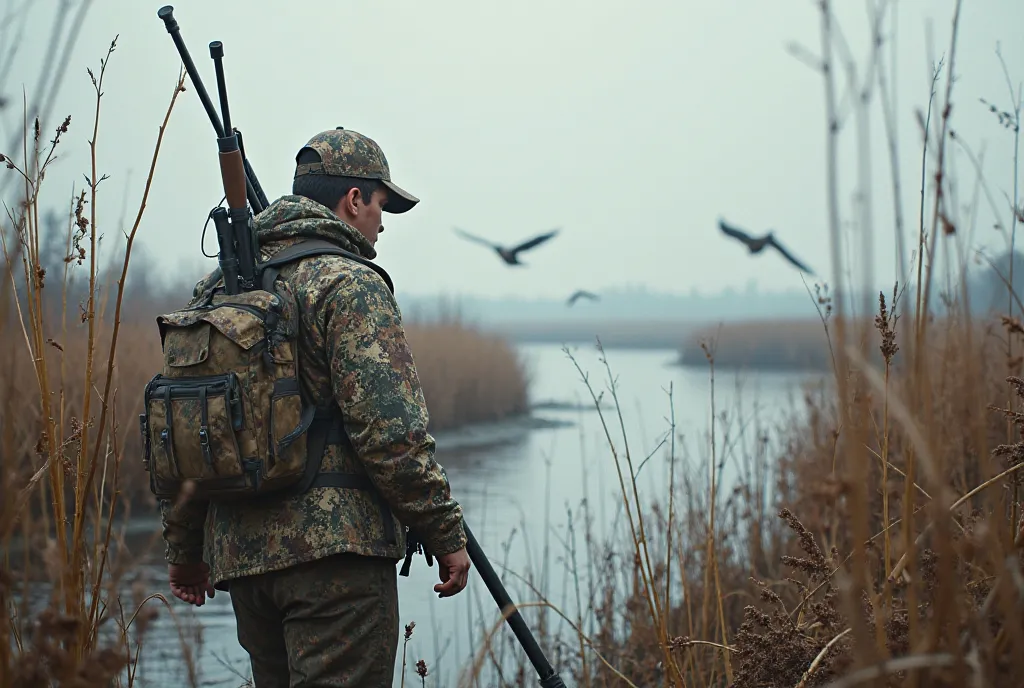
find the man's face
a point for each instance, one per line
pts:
(368, 215)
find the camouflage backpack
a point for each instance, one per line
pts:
(227, 413)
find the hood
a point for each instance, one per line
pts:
(294, 217)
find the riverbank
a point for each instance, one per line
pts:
(759, 345)
(614, 333)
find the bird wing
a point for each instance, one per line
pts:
(581, 294)
(733, 232)
(474, 238)
(537, 240)
(788, 256)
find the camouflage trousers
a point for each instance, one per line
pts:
(329, 623)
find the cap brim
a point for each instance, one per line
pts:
(399, 200)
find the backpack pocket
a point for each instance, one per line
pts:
(289, 421)
(191, 425)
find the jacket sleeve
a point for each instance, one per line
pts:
(375, 382)
(183, 525)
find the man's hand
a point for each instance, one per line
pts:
(453, 570)
(191, 582)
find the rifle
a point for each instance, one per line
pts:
(238, 261)
(235, 235)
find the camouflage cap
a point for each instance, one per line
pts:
(347, 153)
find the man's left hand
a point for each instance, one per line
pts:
(191, 582)
(453, 570)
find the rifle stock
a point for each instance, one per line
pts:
(232, 173)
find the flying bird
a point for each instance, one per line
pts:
(581, 294)
(758, 244)
(509, 255)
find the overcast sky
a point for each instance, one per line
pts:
(632, 126)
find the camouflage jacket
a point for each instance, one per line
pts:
(352, 347)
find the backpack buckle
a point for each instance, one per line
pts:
(204, 442)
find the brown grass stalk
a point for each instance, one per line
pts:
(850, 420)
(71, 593)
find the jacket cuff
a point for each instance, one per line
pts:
(183, 555)
(451, 541)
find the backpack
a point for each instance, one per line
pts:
(227, 413)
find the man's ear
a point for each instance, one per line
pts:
(349, 203)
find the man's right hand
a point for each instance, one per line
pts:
(453, 570)
(191, 582)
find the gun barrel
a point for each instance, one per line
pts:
(166, 13)
(217, 53)
(257, 199)
(251, 176)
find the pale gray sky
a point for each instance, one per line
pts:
(633, 126)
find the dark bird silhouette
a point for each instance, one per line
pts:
(509, 255)
(581, 294)
(758, 244)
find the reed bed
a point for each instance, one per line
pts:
(468, 377)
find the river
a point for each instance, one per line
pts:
(527, 483)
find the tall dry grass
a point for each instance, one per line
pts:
(873, 539)
(75, 358)
(68, 459)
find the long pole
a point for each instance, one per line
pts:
(548, 677)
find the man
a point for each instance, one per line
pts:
(312, 578)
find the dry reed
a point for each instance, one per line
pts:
(69, 462)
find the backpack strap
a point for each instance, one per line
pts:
(326, 429)
(327, 426)
(313, 247)
(334, 434)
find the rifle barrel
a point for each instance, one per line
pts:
(166, 13)
(257, 199)
(217, 53)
